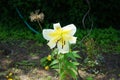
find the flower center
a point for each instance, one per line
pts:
(61, 39)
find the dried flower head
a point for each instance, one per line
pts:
(37, 16)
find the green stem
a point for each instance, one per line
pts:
(59, 57)
(59, 71)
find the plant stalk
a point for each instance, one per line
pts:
(39, 24)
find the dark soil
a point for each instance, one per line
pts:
(26, 55)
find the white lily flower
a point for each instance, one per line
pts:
(61, 37)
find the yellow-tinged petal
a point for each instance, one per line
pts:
(57, 26)
(63, 48)
(70, 29)
(72, 40)
(46, 34)
(51, 44)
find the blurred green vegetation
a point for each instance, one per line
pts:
(103, 13)
(104, 40)
(18, 32)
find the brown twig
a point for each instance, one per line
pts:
(39, 24)
(87, 13)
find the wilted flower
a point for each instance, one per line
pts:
(36, 16)
(61, 37)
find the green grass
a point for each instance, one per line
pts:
(18, 33)
(106, 39)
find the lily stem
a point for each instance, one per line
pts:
(59, 67)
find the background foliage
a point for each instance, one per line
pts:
(103, 13)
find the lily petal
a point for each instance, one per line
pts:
(71, 28)
(72, 40)
(46, 34)
(63, 49)
(51, 44)
(57, 26)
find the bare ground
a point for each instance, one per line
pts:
(22, 59)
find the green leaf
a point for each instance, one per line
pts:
(75, 54)
(62, 75)
(70, 65)
(55, 66)
(89, 78)
(70, 55)
(75, 63)
(43, 59)
(73, 73)
(54, 62)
